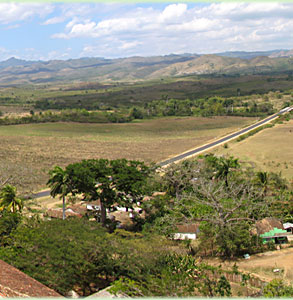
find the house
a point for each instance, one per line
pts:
(186, 231)
(271, 229)
(16, 284)
(288, 227)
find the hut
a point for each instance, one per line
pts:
(272, 230)
(186, 232)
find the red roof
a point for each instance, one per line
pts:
(188, 228)
(14, 283)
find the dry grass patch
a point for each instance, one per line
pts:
(269, 150)
(27, 152)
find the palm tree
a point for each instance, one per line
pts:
(8, 199)
(263, 181)
(224, 166)
(60, 185)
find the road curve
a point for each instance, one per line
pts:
(222, 140)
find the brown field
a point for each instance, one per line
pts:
(27, 152)
(269, 150)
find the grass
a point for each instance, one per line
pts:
(27, 152)
(269, 150)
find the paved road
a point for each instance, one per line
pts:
(40, 194)
(222, 140)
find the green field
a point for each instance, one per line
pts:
(27, 152)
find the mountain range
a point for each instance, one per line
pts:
(17, 71)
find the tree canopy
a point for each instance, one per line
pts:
(113, 182)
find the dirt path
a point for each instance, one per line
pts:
(45, 203)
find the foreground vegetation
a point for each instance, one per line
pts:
(225, 198)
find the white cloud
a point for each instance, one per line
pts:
(54, 20)
(130, 45)
(173, 13)
(16, 12)
(178, 28)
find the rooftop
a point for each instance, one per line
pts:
(15, 284)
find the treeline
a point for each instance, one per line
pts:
(213, 106)
(70, 115)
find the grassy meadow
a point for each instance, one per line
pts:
(269, 150)
(27, 152)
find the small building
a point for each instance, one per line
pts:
(272, 230)
(186, 232)
(276, 235)
(288, 227)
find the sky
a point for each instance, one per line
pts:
(54, 30)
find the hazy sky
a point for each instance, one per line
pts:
(51, 30)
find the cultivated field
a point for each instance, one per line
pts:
(27, 152)
(269, 150)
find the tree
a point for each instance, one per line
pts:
(262, 179)
(60, 184)
(136, 113)
(112, 182)
(225, 208)
(277, 289)
(62, 254)
(222, 165)
(8, 222)
(225, 211)
(8, 199)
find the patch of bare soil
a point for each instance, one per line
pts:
(264, 265)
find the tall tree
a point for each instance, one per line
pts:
(9, 200)
(225, 208)
(262, 179)
(223, 166)
(60, 184)
(117, 181)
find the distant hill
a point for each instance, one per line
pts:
(17, 71)
(247, 55)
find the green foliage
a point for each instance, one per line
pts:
(79, 254)
(127, 287)
(277, 289)
(8, 199)
(68, 115)
(8, 222)
(60, 184)
(118, 181)
(176, 276)
(254, 131)
(216, 192)
(60, 254)
(136, 113)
